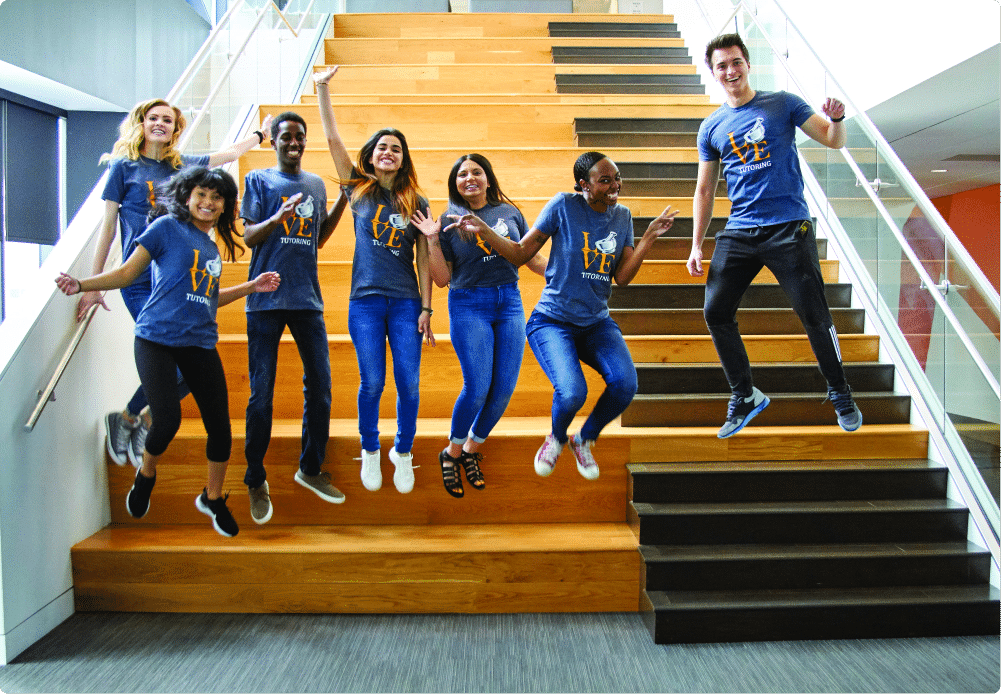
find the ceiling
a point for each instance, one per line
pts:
(950, 121)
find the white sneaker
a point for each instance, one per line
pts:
(545, 459)
(586, 464)
(371, 473)
(403, 478)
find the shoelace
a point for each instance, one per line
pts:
(843, 402)
(735, 400)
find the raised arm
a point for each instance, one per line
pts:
(702, 212)
(339, 153)
(632, 258)
(517, 253)
(264, 282)
(828, 132)
(238, 149)
(122, 276)
(441, 269)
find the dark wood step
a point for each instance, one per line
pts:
(626, 30)
(685, 379)
(846, 613)
(628, 84)
(682, 228)
(641, 55)
(770, 567)
(665, 187)
(802, 522)
(677, 296)
(828, 480)
(753, 321)
(638, 125)
(600, 140)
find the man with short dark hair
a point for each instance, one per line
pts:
(284, 211)
(753, 137)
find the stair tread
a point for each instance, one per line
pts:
(411, 539)
(680, 553)
(820, 597)
(778, 507)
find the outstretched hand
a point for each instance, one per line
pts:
(267, 282)
(429, 226)
(266, 126)
(659, 226)
(467, 226)
(324, 77)
(833, 108)
(287, 209)
(68, 285)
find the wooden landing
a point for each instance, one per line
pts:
(533, 567)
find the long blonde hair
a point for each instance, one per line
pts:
(131, 137)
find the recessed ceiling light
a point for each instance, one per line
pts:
(940, 170)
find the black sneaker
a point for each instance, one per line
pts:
(222, 519)
(741, 411)
(137, 502)
(849, 416)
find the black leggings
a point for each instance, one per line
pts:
(202, 370)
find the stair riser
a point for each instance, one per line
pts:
(816, 527)
(810, 623)
(638, 125)
(806, 410)
(856, 572)
(820, 485)
(752, 321)
(598, 88)
(659, 188)
(666, 296)
(799, 378)
(605, 140)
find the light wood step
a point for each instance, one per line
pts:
(463, 24)
(537, 567)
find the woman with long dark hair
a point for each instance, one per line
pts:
(176, 329)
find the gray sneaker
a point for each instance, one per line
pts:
(137, 443)
(117, 438)
(260, 503)
(320, 485)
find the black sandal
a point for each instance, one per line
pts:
(471, 464)
(450, 474)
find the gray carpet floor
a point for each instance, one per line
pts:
(114, 652)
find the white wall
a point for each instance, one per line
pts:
(53, 480)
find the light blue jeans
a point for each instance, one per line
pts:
(560, 348)
(487, 325)
(371, 320)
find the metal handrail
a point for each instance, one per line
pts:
(899, 169)
(46, 395)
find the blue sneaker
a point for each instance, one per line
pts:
(849, 416)
(741, 411)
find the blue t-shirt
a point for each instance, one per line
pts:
(186, 268)
(586, 249)
(383, 263)
(291, 249)
(756, 145)
(475, 263)
(130, 184)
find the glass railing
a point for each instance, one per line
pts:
(939, 314)
(256, 55)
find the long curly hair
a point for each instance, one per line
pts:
(172, 198)
(131, 137)
(406, 193)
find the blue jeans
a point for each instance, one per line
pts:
(487, 325)
(135, 297)
(371, 320)
(789, 250)
(560, 348)
(264, 331)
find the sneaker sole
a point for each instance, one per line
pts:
(403, 486)
(747, 420)
(208, 512)
(854, 428)
(325, 497)
(120, 461)
(262, 521)
(128, 509)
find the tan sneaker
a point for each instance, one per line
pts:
(320, 485)
(260, 503)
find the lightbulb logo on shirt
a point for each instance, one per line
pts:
(502, 230)
(205, 280)
(598, 260)
(299, 227)
(753, 152)
(388, 233)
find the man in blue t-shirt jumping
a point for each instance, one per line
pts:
(285, 218)
(753, 135)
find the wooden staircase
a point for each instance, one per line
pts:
(525, 544)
